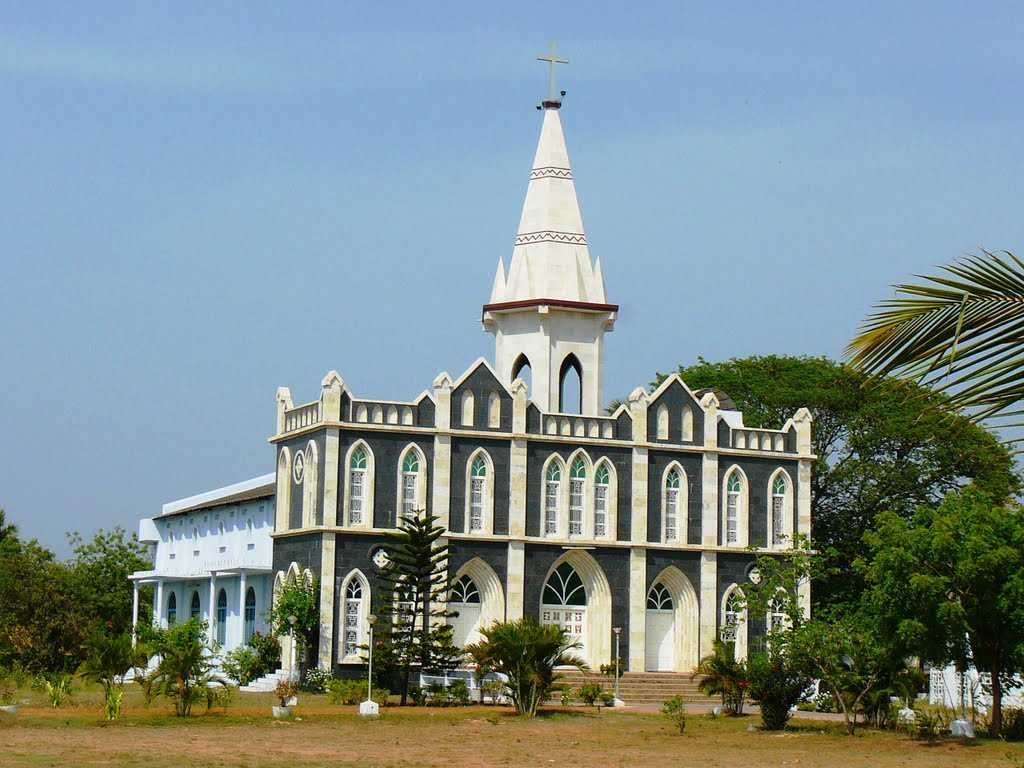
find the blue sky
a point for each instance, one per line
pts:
(201, 203)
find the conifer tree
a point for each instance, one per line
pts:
(414, 586)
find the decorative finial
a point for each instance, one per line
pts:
(554, 98)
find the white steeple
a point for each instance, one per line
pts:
(550, 310)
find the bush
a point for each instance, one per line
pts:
(607, 698)
(437, 695)
(458, 691)
(929, 722)
(777, 684)
(589, 693)
(720, 674)
(1013, 724)
(825, 703)
(260, 656)
(346, 691)
(285, 690)
(675, 710)
(316, 680)
(57, 687)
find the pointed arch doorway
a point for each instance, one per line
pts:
(671, 624)
(576, 596)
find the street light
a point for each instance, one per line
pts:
(617, 701)
(370, 707)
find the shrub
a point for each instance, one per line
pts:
(720, 674)
(777, 684)
(416, 694)
(345, 691)
(57, 687)
(316, 680)
(1013, 724)
(493, 689)
(589, 693)
(108, 659)
(437, 694)
(458, 691)
(825, 703)
(223, 696)
(607, 698)
(675, 710)
(929, 723)
(185, 672)
(286, 690)
(241, 665)
(7, 693)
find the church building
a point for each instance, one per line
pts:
(640, 525)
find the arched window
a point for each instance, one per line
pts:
(356, 597)
(577, 479)
(687, 424)
(172, 610)
(250, 614)
(477, 494)
(552, 490)
(378, 415)
(220, 531)
(392, 414)
(357, 465)
(777, 618)
(734, 508)
(662, 418)
(601, 500)
(284, 489)
(734, 622)
(195, 608)
(310, 481)
(465, 591)
(779, 510)
(564, 601)
(521, 369)
(410, 482)
(467, 409)
(248, 528)
(494, 410)
(570, 385)
(659, 599)
(672, 506)
(222, 616)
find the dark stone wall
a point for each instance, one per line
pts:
(303, 549)
(675, 398)
(657, 461)
(758, 470)
(425, 413)
(494, 553)
(532, 419)
(687, 562)
(481, 382)
(295, 507)
(624, 426)
(537, 454)
(500, 453)
(387, 448)
(734, 569)
(614, 562)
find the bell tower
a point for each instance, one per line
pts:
(549, 311)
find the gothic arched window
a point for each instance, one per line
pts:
(249, 628)
(477, 494)
(733, 507)
(357, 467)
(779, 489)
(222, 616)
(552, 490)
(601, 479)
(410, 482)
(564, 587)
(672, 506)
(194, 608)
(172, 609)
(577, 479)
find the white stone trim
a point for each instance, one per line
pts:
(597, 645)
(488, 500)
(787, 511)
(682, 504)
(467, 402)
(611, 513)
(310, 482)
(492, 596)
(686, 618)
(742, 511)
(420, 502)
(368, 483)
(364, 612)
(742, 624)
(283, 497)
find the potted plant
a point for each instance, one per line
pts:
(285, 692)
(7, 698)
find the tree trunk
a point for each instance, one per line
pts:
(997, 701)
(405, 683)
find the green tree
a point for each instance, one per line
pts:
(890, 447)
(100, 569)
(959, 330)
(8, 535)
(109, 657)
(777, 681)
(185, 671)
(948, 586)
(296, 612)
(722, 675)
(42, 627)
(479, 656)
(528, 653)
(414, 588)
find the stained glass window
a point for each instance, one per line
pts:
(601, 500)
(552, 484)
(465, 591)
(565, 587)
(577, 477)
(659, 599)
(778, 510)
(672, 506)
(732, 509)
(477, 491)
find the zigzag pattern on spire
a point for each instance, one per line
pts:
(551, 173)
(572, 238)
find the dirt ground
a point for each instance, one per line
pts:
(323, 734)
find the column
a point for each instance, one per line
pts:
(708, 602)
(441, 496)
(158, 611)
(325, 652)
(211, 611)
(515, 598)
(637, 609)
(802, 419)
(135, 611)
(517, 462)
(709, 474)
(241, 607)
(638, 506)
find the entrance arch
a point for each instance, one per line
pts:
(579, 598)
(478, 598)
(672, 623)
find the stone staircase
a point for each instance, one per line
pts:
(265, 684)
(637, 688)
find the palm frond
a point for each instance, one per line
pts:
(961, 331)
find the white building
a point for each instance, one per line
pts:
(212, 556)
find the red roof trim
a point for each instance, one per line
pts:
(586, 306)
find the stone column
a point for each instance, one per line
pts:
(708, 602)
(802, 419)
(158, 610)
(709, 474)
(284, 403)
(211, 610)
(637, 609)
(638, 497)
(442, 486)
(135, 611)
(516, 581)
(325, 653)
(517, 461)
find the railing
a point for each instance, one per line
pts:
(579, 426)
(366, 412)
(302, 416)
(759, 439)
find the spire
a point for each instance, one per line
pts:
(498, 289)
(551, 259)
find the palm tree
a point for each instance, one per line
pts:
(721, 675)
(527, 653)
(479, 656)
(962, 331)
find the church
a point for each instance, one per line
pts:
(636, 527)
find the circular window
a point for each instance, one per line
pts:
(299, 467)
(380, 559)
(754, 575)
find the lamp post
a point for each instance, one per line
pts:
(370, 707)
(617, 701)
(293, 655)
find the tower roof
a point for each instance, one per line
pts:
(550, 260)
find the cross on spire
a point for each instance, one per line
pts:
(552, 58)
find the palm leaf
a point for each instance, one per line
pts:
(961, 332)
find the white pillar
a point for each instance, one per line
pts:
(637, 609)
(158, 610)
(135, 611)
(211, 611)
(241, 608)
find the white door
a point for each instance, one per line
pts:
(464, 626)
(659, 656)
(572, 618)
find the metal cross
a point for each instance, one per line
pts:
(552, 58)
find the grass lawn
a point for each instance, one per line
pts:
(323, 734)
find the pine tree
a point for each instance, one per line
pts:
(413, 629)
